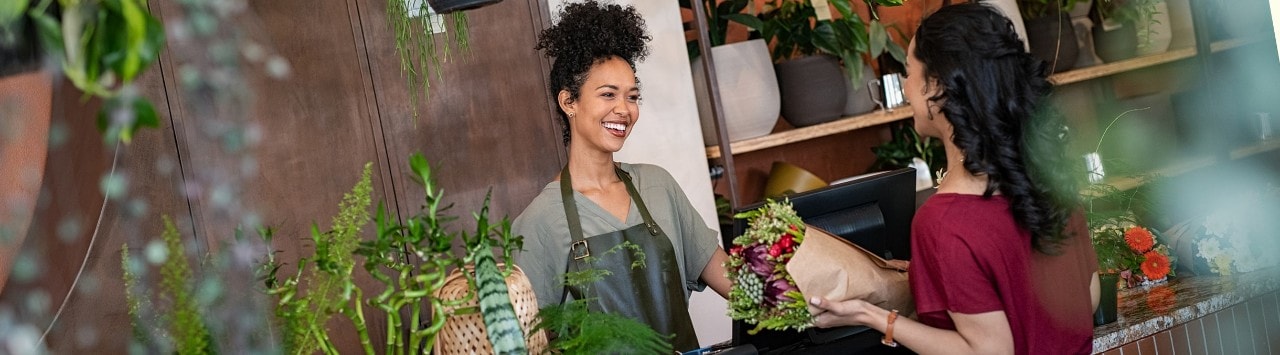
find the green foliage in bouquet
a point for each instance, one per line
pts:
(763, 293)
(180, 323)
(581, 331)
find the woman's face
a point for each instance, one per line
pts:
(607, 106)
(928, 117)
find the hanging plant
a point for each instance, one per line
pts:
(102, 46)
(415, 26)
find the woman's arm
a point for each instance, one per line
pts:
(714, 274)
(982, 333)
(1095, 291)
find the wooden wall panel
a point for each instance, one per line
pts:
(488, 123)
(316, 129)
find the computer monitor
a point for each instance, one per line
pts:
(872, 211)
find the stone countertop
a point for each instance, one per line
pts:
(1147, 310)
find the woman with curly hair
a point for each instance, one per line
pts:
(629, 222)
(1001, 260)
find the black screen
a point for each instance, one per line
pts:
(874, 212)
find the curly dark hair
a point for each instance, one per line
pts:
(588, 33)
(995, 96)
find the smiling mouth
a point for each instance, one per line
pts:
(615, 128)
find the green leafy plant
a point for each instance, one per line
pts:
(416, 45)
(102, 45)
(906, 145)
(412, 260)
(718, 16)
(793, 28)
(1137, 13)
(180, 323)
(310, 298)
(582, 331)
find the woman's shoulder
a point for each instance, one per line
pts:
(544, 206)
(649, 175)
(963, 216)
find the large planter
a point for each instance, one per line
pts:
(813, 90)
(447, 6)
(1053, 39)
(862, 96)
(748, 91)
(26, 97)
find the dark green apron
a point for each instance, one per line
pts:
(651, 294)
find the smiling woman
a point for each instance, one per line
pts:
(631, 220)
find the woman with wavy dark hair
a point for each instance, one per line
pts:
(1001, 263)
(631, 220)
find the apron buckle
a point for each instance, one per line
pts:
(653, 229)
(586, 251)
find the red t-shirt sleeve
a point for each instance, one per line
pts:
(953, 278)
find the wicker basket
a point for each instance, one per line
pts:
(465, 333)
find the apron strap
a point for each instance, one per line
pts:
(635, 196)
(571, 206)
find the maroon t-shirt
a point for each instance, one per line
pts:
(969, 256)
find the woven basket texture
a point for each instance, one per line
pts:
(465, 333)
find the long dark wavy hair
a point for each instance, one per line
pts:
(588, 33)
(995, 95)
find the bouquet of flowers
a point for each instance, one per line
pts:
(763, 292)
(1234, 239)
(1131, 250)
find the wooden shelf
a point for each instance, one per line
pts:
(881, 117)
(1188, 165)
(1261, 147)
(820, 130)
(1101, 70)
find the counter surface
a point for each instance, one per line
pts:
(1147, 310)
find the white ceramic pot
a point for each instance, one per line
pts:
(1184, 35)
(1161, 33)
(748, 91)
(1010, 9)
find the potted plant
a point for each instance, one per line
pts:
(905, 147)
(808, 48)
(743, 69)
(415, 29)
(1050, 34)
(1128, 28)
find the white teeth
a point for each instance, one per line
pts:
(615, 126)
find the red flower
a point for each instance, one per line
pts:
(1155, 266)
(775, 250)
(1139, 239)
(735, 250)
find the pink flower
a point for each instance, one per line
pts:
(757, 259)
(775, 291)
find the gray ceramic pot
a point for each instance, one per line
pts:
(813, 90)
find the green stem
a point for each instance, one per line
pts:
(1113, 122)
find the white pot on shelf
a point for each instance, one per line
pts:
(1010, 9)
(1161, 33)
(748, 91)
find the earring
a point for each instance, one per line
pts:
(571, 115)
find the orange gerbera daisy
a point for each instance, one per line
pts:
(1139, 239)
(1155, 266)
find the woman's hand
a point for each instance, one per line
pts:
(842, 313)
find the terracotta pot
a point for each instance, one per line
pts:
(25, 100)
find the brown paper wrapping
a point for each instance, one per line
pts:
(836, 269)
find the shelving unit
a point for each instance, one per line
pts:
(819, 130)
(1183, 166)
(886, 116)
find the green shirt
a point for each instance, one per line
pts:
(546, 231)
